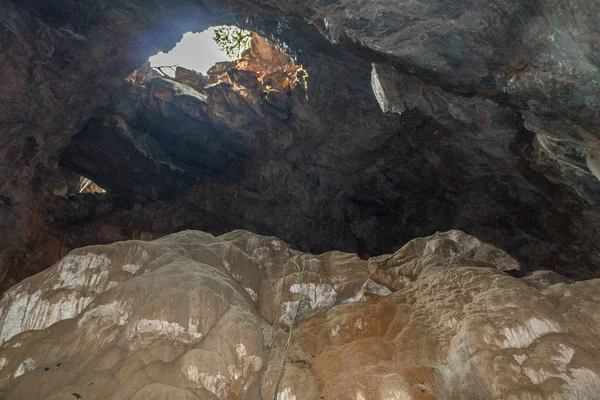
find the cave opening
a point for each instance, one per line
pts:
(199, 51)
(86, 185)
(176, 134)
(188, 118)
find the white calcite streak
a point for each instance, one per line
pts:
(131, 268)
(26, 366)
(216, 384)
(146, 330)
(286, 394)
(368, 289)
(524, 335)
(318, 296)
(68, 289)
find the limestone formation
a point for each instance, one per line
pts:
(190, 316)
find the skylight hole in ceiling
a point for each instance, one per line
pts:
(200, 51)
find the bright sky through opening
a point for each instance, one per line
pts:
(197, 51)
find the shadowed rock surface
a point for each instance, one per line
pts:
(189, 316)
(417, 117)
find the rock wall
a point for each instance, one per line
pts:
(190, 316)
(253, 146)
(419, 117)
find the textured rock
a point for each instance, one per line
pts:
(498, 132)
(188, 316)
(214, 151)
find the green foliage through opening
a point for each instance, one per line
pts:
(232, 40)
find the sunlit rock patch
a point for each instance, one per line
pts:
(86, 185)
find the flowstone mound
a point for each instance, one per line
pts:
(190, 316)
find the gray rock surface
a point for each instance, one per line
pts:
(498, 132)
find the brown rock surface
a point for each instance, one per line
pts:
(188, 316)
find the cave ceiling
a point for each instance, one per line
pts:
(397, 120)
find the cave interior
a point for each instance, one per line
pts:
(346, 126)
(380, 143)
